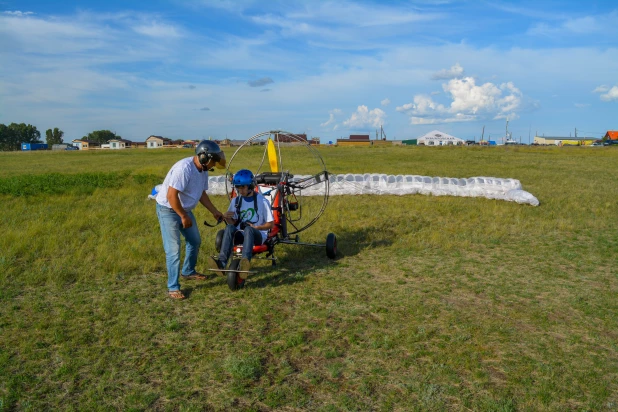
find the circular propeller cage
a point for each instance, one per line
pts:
(295, 160)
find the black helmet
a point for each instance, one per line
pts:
(207, 150)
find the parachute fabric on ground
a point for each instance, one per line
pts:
(382, 184)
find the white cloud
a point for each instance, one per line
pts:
(233, 6)
(159, 30)
(453, 72)
(579, 26)
(458, 118)
(355, 14)
(47, 36)
(469, 97)
(331, 119)
(435, 93)
(607, 93)
(528, 11)
(342, 24)
(581, 105)
(423, 105)
(385, 102)
(363, 117)
(612, 94)
(18, 13)
(601, 89)
(469, 102)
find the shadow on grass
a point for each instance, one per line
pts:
(297, 262)
(189, 286)
(302, 261)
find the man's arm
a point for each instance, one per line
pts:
(174, 201)
(265, 226)
(205, 200)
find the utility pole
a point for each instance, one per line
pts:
(382, 133)
(506, 135)
(483, 134)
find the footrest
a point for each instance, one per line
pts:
(230, 270)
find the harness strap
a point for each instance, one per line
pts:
(239, 203)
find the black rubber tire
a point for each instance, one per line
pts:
(232, 277)
(219, 240)
(331, 246)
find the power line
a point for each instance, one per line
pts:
(582, 131)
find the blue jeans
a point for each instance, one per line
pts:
(171, 229)
(249, 237)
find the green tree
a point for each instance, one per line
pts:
(101, 136)
(13, 135)
(5, 137)
(54, 136)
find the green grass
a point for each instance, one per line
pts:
(436, 303)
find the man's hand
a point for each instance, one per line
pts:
(217, 215)
(229, 217)
(186, 222)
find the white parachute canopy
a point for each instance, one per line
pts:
(382, 184)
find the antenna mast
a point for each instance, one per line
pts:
(507, 130)
(382, 134)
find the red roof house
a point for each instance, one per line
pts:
(611, 135)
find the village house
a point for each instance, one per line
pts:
(156, 142)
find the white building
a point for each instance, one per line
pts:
(119, 144)
(155, 142)
(437, 138)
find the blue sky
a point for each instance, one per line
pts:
(198, 68)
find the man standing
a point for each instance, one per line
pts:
(184, 186)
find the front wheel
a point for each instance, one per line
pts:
(331, 246)
(219, 240)
(234, 282)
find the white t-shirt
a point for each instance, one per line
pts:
(248, 215)
(188, 180)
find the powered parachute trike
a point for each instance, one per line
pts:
(297, 200)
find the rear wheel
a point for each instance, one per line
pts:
(234, 282)
(331, 246)
(219, 240)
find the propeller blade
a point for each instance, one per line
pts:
(272, 156)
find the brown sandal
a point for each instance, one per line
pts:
(176, 294)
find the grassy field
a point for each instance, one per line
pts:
(435, 303)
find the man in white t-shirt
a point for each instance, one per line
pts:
(249, 215)
(183, 188)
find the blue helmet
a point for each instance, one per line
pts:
(244, 177)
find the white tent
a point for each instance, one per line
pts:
(437, 138)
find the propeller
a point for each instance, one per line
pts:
(272, 155)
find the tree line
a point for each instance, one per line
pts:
(13, 135)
